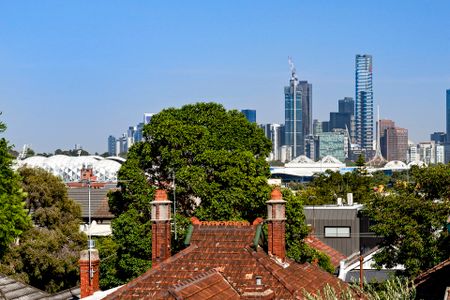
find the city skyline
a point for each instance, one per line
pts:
(74, 73)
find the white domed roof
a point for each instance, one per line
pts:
(34, 160)
(68, 168)
(396, 164)
(417, 163)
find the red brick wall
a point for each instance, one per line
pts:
(160, 241)
(277, 242)
(87, 285)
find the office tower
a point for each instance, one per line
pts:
(448, 115)
(250, 114)
(275, 132)
(334, 144)
(345, 118)
(438, 137)
(310, 146)
(317, 127)
(440, 154)
(413, 155)
(121, 144)
(346, 105)
(427, 152)
(138, 134)
(112, 146)
(393, 140)
(364, 102)
(396, 140)
(326, 126)
(293, 108)
(306, 90)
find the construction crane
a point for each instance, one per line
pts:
(292, 67)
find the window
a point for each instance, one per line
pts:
(339, 232)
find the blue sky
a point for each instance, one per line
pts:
(74, 72)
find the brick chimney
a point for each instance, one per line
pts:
(276, 217)
(89, 272)
(160, 227)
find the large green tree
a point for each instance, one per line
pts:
(411, 219)
(217, 160)
(13, 216)
(328, 186)
(47, 254)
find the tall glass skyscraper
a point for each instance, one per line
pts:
(293, 116)
(364, 101)
(448, 115)
(306, 90)
(250, 114)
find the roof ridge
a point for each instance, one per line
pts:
(195, 279)
(270, 269)
(223, 223)
(420, 278)
(156, 268)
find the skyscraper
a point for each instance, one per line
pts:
(297, 98)
(364, 101)
(393, 140)
(250, 114)
(112, 146)
(347, 105)
(448, 115)
(306, 90)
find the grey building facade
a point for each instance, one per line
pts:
(342, 227)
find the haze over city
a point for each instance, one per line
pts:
(75, 72)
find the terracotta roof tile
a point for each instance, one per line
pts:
(227, 248)
(335, 256)
(433, 283)
(209, 285)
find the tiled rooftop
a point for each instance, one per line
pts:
(11, 289)
(335, 256)
(433, 283)
(99, 201)
(221, 259)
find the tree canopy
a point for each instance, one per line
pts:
(411, 217)
(47, 253)
(13, 216)
(217, 160)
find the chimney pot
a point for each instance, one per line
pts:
(89, 272)
(161, 234)
(276, 194)
(276, 217)
(161, 195)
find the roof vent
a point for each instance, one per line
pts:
(258, 280)
(350, 199)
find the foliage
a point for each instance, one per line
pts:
(296, 231)
(397, 288)
(73, 152)
(361, 161)
(217, 160)
(411, 230)
(328, 186)
(13, 216)
(217, 157)
(47, 255)
(107, 249)
(432, 182)
(329, 293)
